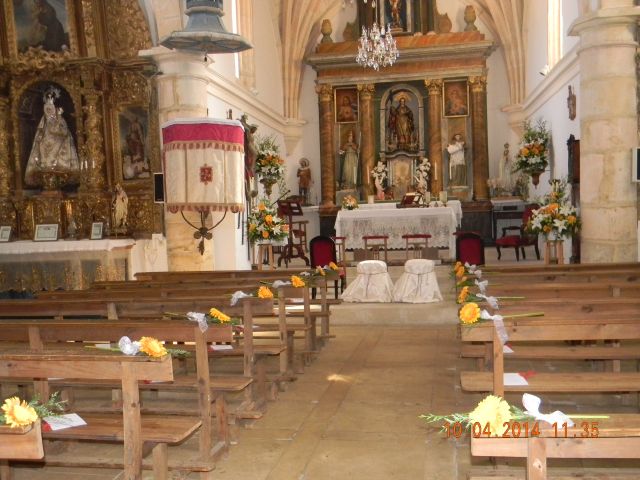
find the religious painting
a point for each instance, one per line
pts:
(397, 16)
(346, 105)
(401, 112)
(42, 23)
(455, 98)
(133, 136)
(348, 164)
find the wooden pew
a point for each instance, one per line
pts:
(617, 437)
(547, 329)
(567, 290)
(19, 443)
(131, 428)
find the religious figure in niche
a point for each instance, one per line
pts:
(135, 163)
(379, 174)
(422, 175)
(120, 207)
(507, 180)
(401, 132)
(349, 167)
(457, 163)
(39, 24)
(53, 148)
(304, 179)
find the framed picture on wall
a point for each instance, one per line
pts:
(455, 98)
(5, 233)
(346, 104)
(96, 230)
(132, 138)
(46, 232)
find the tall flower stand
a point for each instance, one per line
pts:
(265, 250)
(554, 252)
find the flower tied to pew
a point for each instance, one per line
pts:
(20, 413)
(216, 316)
(297, 282)
(152, 347)
(147, 345)
(471, 313)
(265, 292)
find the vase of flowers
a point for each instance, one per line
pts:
(264, 225)
(532, 157)
(269, 164)
(349, 202)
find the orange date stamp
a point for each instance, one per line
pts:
(524, 429)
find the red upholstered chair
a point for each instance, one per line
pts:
(323, 251)
(469, 248)
(522, 239)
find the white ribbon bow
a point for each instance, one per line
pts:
(531, 405)
(492, 301)
(498, 322)
(200, 318)
(280, 283)
(482, 285)
(237, 296)
(128, 347)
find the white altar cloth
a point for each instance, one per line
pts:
(29, 247)
(439, 222)
(454, 204)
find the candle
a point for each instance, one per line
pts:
(443, 196)
(355, 174)
(370, 198)
(427, 197)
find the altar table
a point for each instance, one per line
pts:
(439, 222)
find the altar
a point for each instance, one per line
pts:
(385, 219)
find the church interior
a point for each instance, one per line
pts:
(308, 239)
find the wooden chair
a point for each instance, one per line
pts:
(522, 239)
(323, 251)
(297, 231)
(376, 243)
(417, 242)
(469, 248)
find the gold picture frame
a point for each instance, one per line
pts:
(455, 98)
(346, 102)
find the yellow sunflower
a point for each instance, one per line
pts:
(493, 411)
(464, 293)
(320, 271)
(470, 313)
(297, 281)
(152, 347)
(333, 266)
(265, 292)
(223, 318)
(18, 413)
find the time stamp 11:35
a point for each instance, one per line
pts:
(524, 430)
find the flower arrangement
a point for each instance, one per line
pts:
(20, 413)
(532, 156)
(557, 218)
(265, 224)
(349, 202)
(147, 345)
(269, 164)
(264, 292)
(297, 282)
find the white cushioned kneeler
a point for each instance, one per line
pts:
(418, 283)
(373, 283)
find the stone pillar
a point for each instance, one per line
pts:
(609, 129)
(434, 146)
(327, 154)
(182, 93)
(367, 129)
(479, 131)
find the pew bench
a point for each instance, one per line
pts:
(19, 443)
(617, 437)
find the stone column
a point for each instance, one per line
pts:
(609, 129)
(367, 129)
(479, 131)
(327, 154)
(182, 93)
(434, 146)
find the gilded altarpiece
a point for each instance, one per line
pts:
(81, 57)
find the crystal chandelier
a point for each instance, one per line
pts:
(377, 48)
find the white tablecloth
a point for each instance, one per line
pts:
(439, 222)
(454, 204)
(29, 247)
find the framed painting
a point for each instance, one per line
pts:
(5, 233)
(455, 98)
(45, 24)
(96, 230)
(346, 104)
(46, 232)
(397, 15)
(133, 149)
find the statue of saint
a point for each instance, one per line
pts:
(457, 163)
(349, 170)
(304, 179)
(120, 207)
(401, 127)
(53, 148)
(422, 175)
(507, 180)
(250, 148)
(379, 174)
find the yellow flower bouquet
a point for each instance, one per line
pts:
(534, 149)
(264, 224)
(20, 413)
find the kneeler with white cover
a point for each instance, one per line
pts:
(373, 283)
(418, 283)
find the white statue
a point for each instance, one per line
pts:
(120, 207)
(507, 180)
(457, 163)
(53, 148)
(379, 174)
(422, 175)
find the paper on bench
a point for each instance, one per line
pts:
(103, 346)
(514, 380)
(507, 349)
(221, 347)
(64, 421)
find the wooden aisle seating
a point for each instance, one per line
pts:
(618, 437)
(19, 443)
(546, 329)
(45, 334)
(131, 428)
(566, 290)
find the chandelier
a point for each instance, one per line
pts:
(377, 48)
